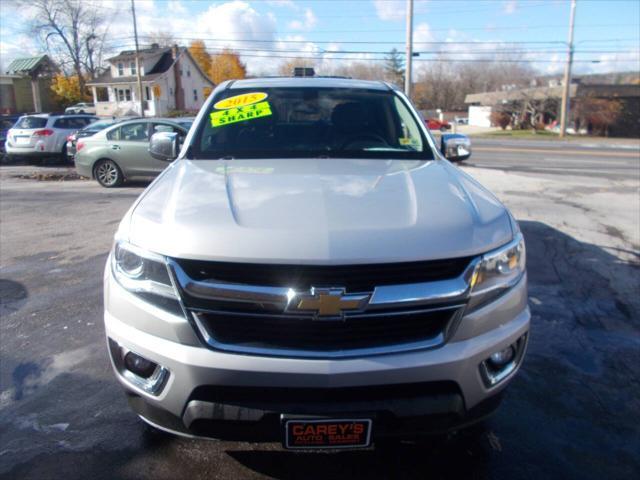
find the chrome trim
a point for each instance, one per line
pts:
(491, 379)
(231, 292)
(152, 385)
(386, 296)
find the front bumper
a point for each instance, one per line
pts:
(228, 395)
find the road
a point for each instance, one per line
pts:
(556, 158)
(571, 413)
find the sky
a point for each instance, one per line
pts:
(270, 32)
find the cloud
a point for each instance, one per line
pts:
(509, 7)
(176, 7)
(307, 23)
(283, 3)
(393, 11)
(390, 10)
(422, 33)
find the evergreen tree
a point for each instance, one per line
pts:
(394, 67)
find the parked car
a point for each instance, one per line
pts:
(120, 152)
(435, 124)
(311, 269)
(87, 131)
(462, 120)
(82, 107)
(186, 122)
(44, 134)
(6, 122)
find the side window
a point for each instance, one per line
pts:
(134, 132)
(408, 133)
(121, 69)
(62, 123)
(114, 134)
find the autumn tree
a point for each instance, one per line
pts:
(72, 32)
(226, 66)
(67, 89)
(597, 114)
(198, 51)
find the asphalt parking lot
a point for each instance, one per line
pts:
(573, 412)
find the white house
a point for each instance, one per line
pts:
(171, 80)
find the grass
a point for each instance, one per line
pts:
(526, 134)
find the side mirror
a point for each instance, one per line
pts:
(164, 146)
(455, 146)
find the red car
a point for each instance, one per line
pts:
(434, 124)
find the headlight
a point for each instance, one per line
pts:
(498, 270)
(140, 272)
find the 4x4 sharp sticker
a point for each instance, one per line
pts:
(240, 114)
(240, 100)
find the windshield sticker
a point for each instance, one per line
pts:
(240, 114)
(240, 100)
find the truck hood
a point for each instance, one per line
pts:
(316, 211)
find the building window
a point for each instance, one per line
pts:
(181, 72)
(121, 69)
(147, 93)
(195, 95)
(188, 72)
(132, 66)
(170, 91)
(124, 95)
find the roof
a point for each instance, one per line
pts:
(311, 82)
(28, 65)
(162, 66)
(534, 93)
(144, 53)
(541, 93)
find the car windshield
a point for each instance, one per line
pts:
(31, 122)
(310, 122)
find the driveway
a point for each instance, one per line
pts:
(573, 412)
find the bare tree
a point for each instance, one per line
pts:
(72, 32)
(356, 69)
(161, 38)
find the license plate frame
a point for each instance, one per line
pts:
(346, 437)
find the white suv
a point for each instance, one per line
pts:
(44, 134)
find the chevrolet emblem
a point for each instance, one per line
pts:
(330, 302)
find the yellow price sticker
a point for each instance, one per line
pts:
(240, 100)
(240, 114)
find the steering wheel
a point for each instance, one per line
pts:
(364, 137)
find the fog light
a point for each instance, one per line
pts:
(139, 365)
(503, 363)
(501, 358)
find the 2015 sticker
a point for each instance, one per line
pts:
(240, 100)
(240, 114)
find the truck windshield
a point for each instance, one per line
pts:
(310, 122)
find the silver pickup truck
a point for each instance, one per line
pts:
(311, 269)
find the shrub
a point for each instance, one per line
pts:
(500, 119)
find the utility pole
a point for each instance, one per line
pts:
(407, 73)
(135, 35)
(564, 110)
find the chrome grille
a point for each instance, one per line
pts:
(258, 319)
